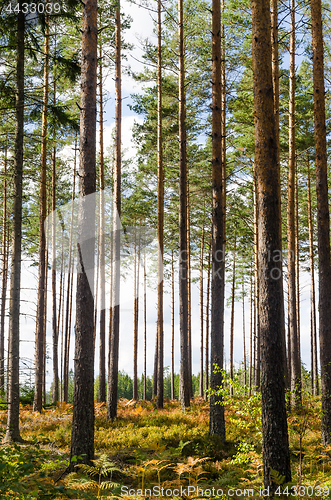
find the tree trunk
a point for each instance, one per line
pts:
(275, 84)
(136, 317)
(13, 432)
(102, 348)
(184, 381)
(201, 303)
(314, 368)
(251, 335)
(232, 312)
(61, 315)
(295, 357)
(223, 122)
(322, 218)
(155, 364)
(82, 436)
(297, 264)
(145, 328)
(55, 331)
(160, 213)
(69, 291)
(275, 446)
(4, 274)
(114, 337)
(172, 327)
(217, 422)
(257, 365)
(189, 305)
(40, 326)
(244, 340)
(207, 325)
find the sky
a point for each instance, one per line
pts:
(142, 27)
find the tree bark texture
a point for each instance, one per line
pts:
(275, 446)
(184, 381)
(160, 213)
(116, 268)
(12, 431)
(102, 333)
(82, 436)
(217, 422)
(40, 324)
(323, 219)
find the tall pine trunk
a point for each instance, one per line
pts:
(136, 314)
(217, 422)
(55, 331)
(160, 213)
(201, 304)
(323, 219)
(172, 327)
(102, 333)
(4, 273)
(82, 435)
(145, 329)
(275, 445)
(40, 325)
(116, 269)
(313, 344)
(207, 325)
(257, 364)
(13, 431)
(232, 312)
(184, 380)
(244, 339)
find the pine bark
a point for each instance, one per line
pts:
(102, 333)
(172, 327)
(232, 312)
(145, 329)
(217, 422)
(69, 292)
(55, 332)
(82, 436)
(116, 269)
(201, 305)
(251, 335)
(313, 368)
(136, 315)
(207, 325)
(40, 325)
(244, 338)
(12, 431)
(4, 273)
(323, 219)
(160, 214)
(257, 364)
(275, 446)
(275, 84)
(184, 381)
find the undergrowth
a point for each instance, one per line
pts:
(145, 448)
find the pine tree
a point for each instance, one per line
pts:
(275, 445)
(82, 436)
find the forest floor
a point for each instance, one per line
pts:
(145, 450)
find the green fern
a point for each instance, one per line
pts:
(102, 467)
(276, 477)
